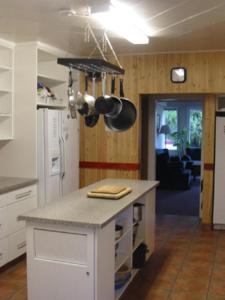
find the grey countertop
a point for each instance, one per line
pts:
(8, 184)
(77, 209)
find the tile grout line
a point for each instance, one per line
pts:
(196, 226)
(213, 264)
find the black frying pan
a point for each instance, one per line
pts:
(126, 118)
(109, 106)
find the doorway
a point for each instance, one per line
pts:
(171, 151)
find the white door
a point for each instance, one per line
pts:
(219, 175)
(70, 151)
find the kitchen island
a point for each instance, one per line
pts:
(72, 252)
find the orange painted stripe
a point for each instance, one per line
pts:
(209, 167)
(107, 165)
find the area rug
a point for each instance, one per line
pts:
(179, 202)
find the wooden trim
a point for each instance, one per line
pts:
(107, 165)
(209, 167)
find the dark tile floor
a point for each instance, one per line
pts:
(189, 263)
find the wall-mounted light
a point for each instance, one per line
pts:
(122, 20)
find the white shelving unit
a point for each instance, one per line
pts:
(29, 63)
(6, 89)
(126, 245)
(52, 76)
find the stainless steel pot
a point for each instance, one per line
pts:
(92, 119)
(86, 102)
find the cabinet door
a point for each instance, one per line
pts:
(17, 244)
(17, 208)
(3, 251)
(60, 265)
(3, 222)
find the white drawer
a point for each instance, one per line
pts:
(22, 194)
(17, 244)
(3, 221)
(16, 209)
(4, 251)
(3, 200)
(62, 246)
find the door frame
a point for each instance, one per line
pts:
(148, 129)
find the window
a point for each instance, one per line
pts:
(195, 127)
(170, 119)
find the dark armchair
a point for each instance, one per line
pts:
(171, 172)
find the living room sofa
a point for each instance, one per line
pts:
(171, 171)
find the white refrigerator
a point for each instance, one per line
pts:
(219, 173)
(58, 154)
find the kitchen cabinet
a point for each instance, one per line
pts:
(12, 232)
(72, 250)
(6, 89)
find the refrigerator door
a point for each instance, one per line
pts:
(48, 155)
(70, 153)
(219, 174)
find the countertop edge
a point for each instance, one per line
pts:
(45, 220)
(16, 186)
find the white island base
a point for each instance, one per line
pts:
(68, 260)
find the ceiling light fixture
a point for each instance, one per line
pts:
(122, 20)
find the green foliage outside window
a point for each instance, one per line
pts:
(171, 119)
(195, 128)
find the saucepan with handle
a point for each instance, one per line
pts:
(86, 102)
(127, 116)
(108, 105)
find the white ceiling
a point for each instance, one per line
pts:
(178, 25)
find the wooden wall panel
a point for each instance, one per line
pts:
(208, 154)
(88, 176)
(150, 74)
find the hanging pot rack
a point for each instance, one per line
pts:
(94, 65)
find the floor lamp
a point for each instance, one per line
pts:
(165, 130)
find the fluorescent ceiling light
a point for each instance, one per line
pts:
(122, 20)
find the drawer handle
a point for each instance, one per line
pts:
(21, 245)
(1, 255)
(23, 195)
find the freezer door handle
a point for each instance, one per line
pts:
(62, 150)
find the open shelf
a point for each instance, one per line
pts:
(137, 243)
(5, 68)
(120, 260)
(6, 138)
(49, 81)
(55, 104)
(4, 91)
(3, 115)
(122, 236)
(119, 292)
